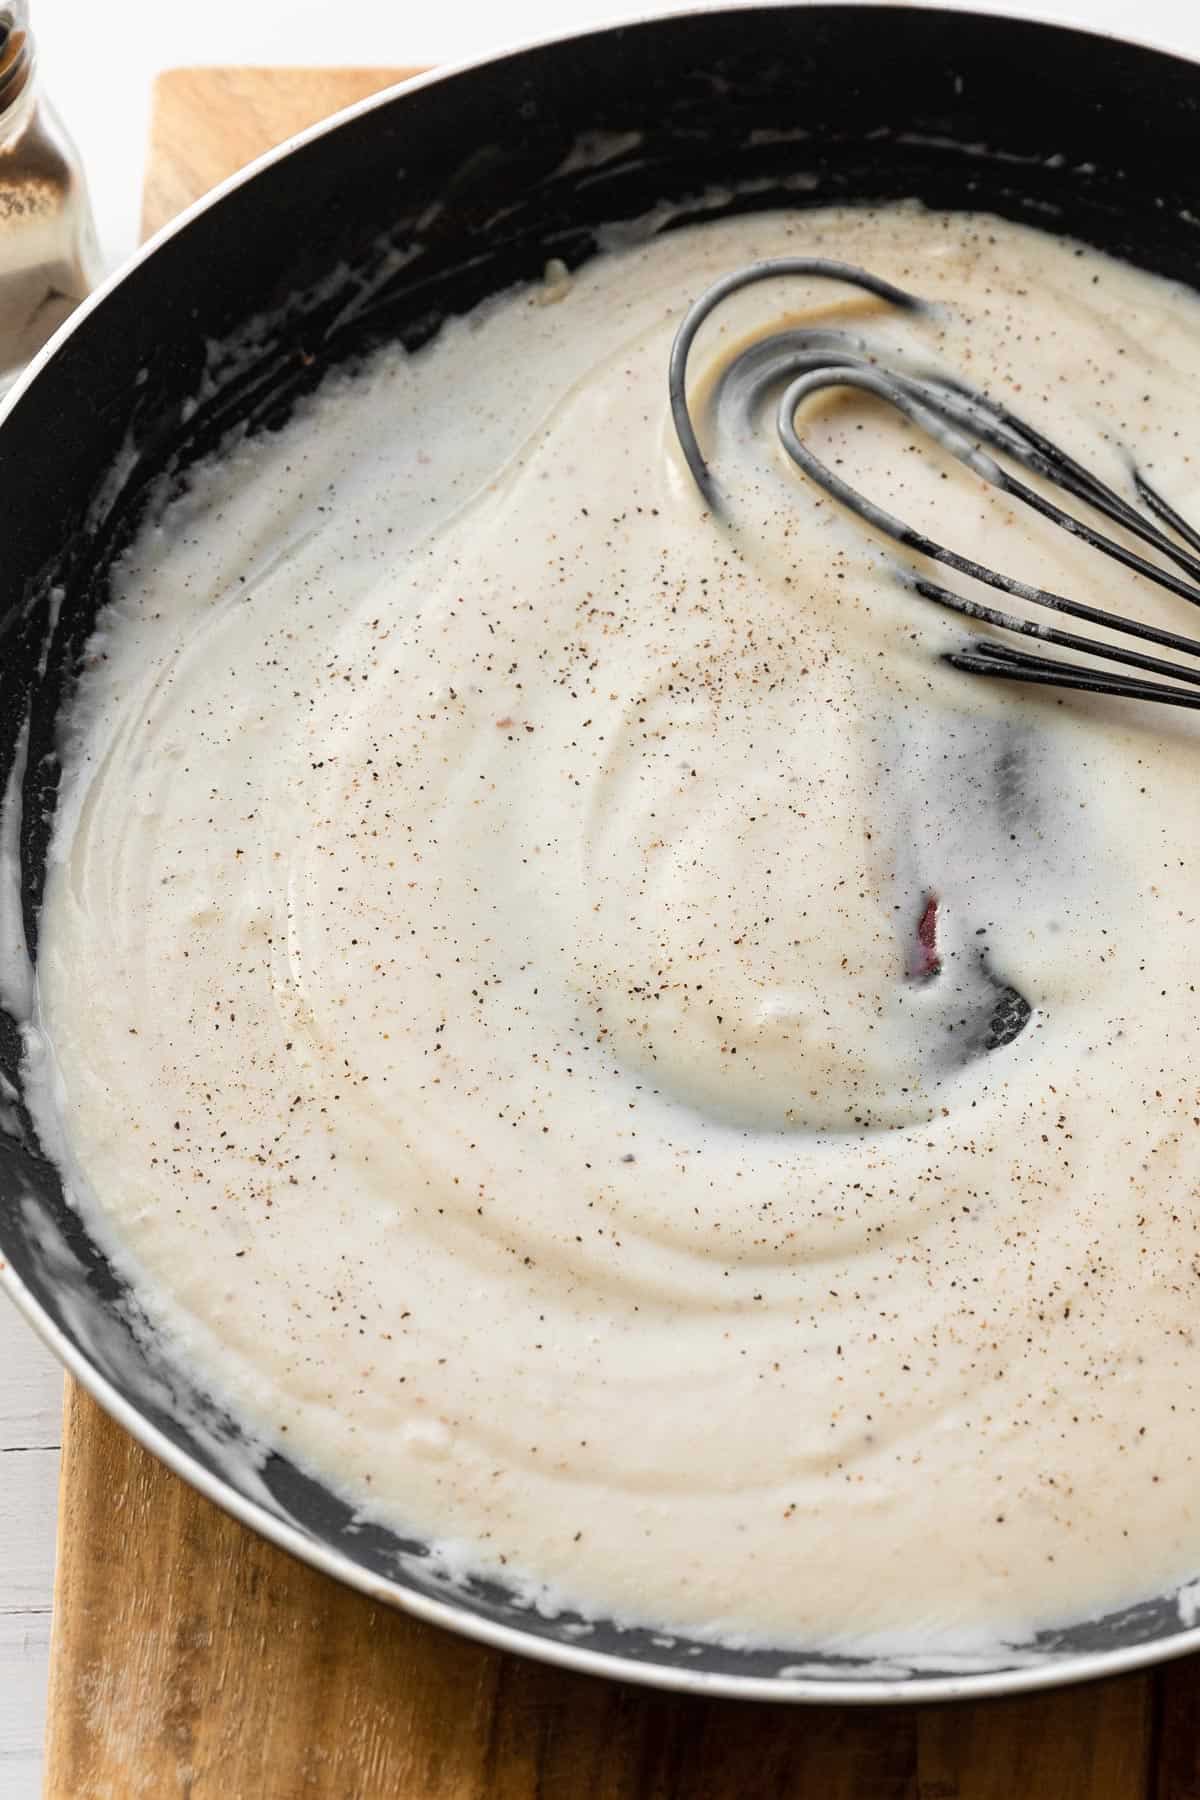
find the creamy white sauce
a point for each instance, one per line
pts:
(479, 949)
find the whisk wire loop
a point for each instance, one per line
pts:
(962, 420)
(767, 270)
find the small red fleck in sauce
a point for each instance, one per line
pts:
(927, 961)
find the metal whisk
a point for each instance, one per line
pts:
(962, 420)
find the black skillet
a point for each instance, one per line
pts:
(407, 209)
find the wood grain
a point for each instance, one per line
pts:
(208, 123)
(192, 1659)
(1176, 1771)
(1085, 1743)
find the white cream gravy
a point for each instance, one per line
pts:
(480, 957)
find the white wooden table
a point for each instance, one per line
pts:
(133, 40)
(30, 1419)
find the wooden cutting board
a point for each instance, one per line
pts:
(191, 1659)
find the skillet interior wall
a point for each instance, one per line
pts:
(418, 209)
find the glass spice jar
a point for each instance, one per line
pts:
(48, 254)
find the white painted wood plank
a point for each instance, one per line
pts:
(21, 1776)
(28, 1499)
(30, 1432)
(24, 1658)
(30, 1386)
